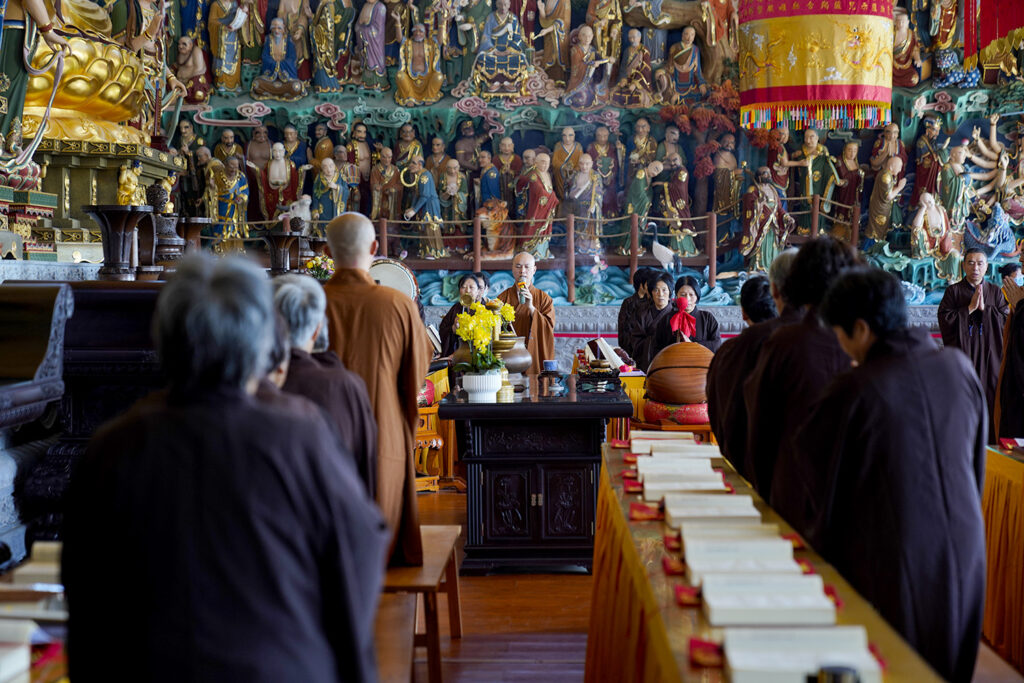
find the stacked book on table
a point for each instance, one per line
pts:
(746, 571)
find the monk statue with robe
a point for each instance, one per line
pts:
(294, 148)
(682, 77)
(728, 177)
(884, 212)
(778, 158)
(556, 21)
(956, 188)
(816, 175)
(643, 148)
(489, 185)
(929, 160)
(540, 209)
(279, 77)
(467, 147)
(890, 464)
(766, 224)
(321, 147)
(228, 198)
(424, 207)
(407, 146)
(190, 69)
(370, 31)
(721, 21)
(971, 318)
(280, 182)
(888, 144)
(225, 19)
(605, 18)
(329, 38)
(584, 201)
(330, 192)
(535, 311)
(587, 88)
(509, 167)
(251, 497)
(932, 237)
(227, 147)
(906, 54)
(523, 182)
(565, 159)
(944, 20)
(607, 156)
(386, 188)
(349, 173)
(258, 150)
(501, 66)
(438, 159)
(675, 205)
(639, 197)
(453, 193)
(670, 145)
(419, 78)
(635, 88)
(360, 153)
(392, 367)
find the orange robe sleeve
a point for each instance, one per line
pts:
(538, 327)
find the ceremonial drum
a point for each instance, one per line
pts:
(679, 373)
(396, 275)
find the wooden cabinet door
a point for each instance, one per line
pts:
(508, 500)
(568, 504)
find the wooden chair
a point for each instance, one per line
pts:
(438, 574)
(394, 634)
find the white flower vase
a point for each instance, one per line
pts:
(482, 387)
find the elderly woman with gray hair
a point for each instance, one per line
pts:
(322, 377)
(232, 521)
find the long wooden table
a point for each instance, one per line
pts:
(1003, 507)
(639, 633)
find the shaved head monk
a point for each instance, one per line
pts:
(535, 312)
(378, 334)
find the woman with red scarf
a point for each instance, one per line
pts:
(683, 322)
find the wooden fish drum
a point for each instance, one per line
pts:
(679, 373)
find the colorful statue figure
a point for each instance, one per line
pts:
(721, 21)
(997, 240)
(490, 180)
(989, 151)
(906, 54)
(330, 192)
(257, 152)
(467, 148)
(850, 185)
(556, 21)
(192, 182)
(564, 160)
(501, 66)
(453, 193)
(322, 147)
(929, 160)
(278, 79)
(360, 153)
(469, 24)
(651, 9)
(728, 178)
(223, 23)
(644, 148)
(888, 144)
(343, 24)
(588, 84)
(584, 200)
(296, 15)
(386, 189)
(778, 158)
(190, 69)
(682, 77)
(227, 147)
(943, 23)
(407, 146)
(605, 18)
(816, 175)
(349, 176)
(540, 208)
(523, 182)
(766, 225)
(280, 181)
(638, 199)
(509, 167)
(438, 159)
(932, 236)
(884, 210)
(294, 147)
(229, 198)
(670, 145)
(419, 77)
(956, 185)
(675, 206)
(426, 207)
(329, 31)
(400, 17)
(635, 87)
(370, 31)
(608, 157)
(130, 191)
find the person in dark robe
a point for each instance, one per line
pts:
(890, 467)
(971, 318)
(641, 328)
(535, 311)
(686, 323)
(469, 292)
(235, 544)
(735, 359)
(1009, 410)
(632, 306)
(323, 378)
(795, 363)
(378, 334)
(483, 283)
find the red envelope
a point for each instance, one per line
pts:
(673, 542)
(641, 512)
(877, 654)
(673, 566)
(618, 443)
(806, 567)
(687, 596)
(629, 474)
(632, 486)
(705, 653)
(830, 591)
(629, 458)
(794, 538)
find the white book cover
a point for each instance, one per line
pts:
(677, 516)
(790, 655)
(656, 490)
(699, 568)
(15, 654)
(738, 500)
(682, 467)
(706, 450)
(766, 600)
(739, 548)
(660, 435)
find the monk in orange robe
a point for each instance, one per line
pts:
(535, 316)
(378, 334)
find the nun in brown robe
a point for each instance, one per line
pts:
(794, 366)
(890, 467)
(730, 366)
(469, 291)
(231, 520)
(538, 325)
(378, 334)
(979, 334)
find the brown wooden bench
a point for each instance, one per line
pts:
(394, 634)
(438, 574)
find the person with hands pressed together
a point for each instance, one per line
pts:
(971, 318)
(535, 312)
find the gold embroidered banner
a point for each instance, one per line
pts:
(815, 63)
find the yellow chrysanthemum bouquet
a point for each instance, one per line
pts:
(480, 327)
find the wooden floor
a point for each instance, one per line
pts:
(516, 627)
(533, 627)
